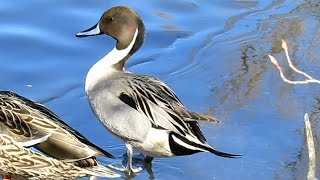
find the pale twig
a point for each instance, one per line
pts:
(309, 135)
(309, 79)
(285, 47)
(311, 150)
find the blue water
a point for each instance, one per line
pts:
(213, 54)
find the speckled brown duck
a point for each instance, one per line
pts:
(18, 162)
(32, 124)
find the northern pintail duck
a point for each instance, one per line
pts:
(32, 124)
(18, 162)
(141, 110)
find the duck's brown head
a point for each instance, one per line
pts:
(121, 23)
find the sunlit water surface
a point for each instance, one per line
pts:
(213, 54)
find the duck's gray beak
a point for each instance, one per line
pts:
(93, 31)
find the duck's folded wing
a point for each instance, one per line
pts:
(29, 121)
(17, 119)
(155, 100)
(158, 102)
(73, 135)
(189, 115)
(17, 160)
(161, 93)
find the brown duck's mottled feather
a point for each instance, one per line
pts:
(87, 162)
(18, 162)
(25, 119)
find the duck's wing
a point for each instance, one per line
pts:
(159, 103)
(21, 120)
(160, 91)
(27, 120)
(24, 162)
(17, 161)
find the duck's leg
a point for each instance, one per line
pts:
(129, 168)
(148, 159)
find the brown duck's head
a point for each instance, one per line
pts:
(121, 23)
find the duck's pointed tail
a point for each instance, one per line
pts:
(181, 145)
(224, 154)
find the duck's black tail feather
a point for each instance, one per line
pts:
(181, 146)
(223, 154)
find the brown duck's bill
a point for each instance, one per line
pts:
(93, 31)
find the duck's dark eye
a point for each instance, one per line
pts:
(111, 19)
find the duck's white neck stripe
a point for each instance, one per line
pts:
(100, 69)
(114, 56)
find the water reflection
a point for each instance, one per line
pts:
(138, 161)
(252, 77)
